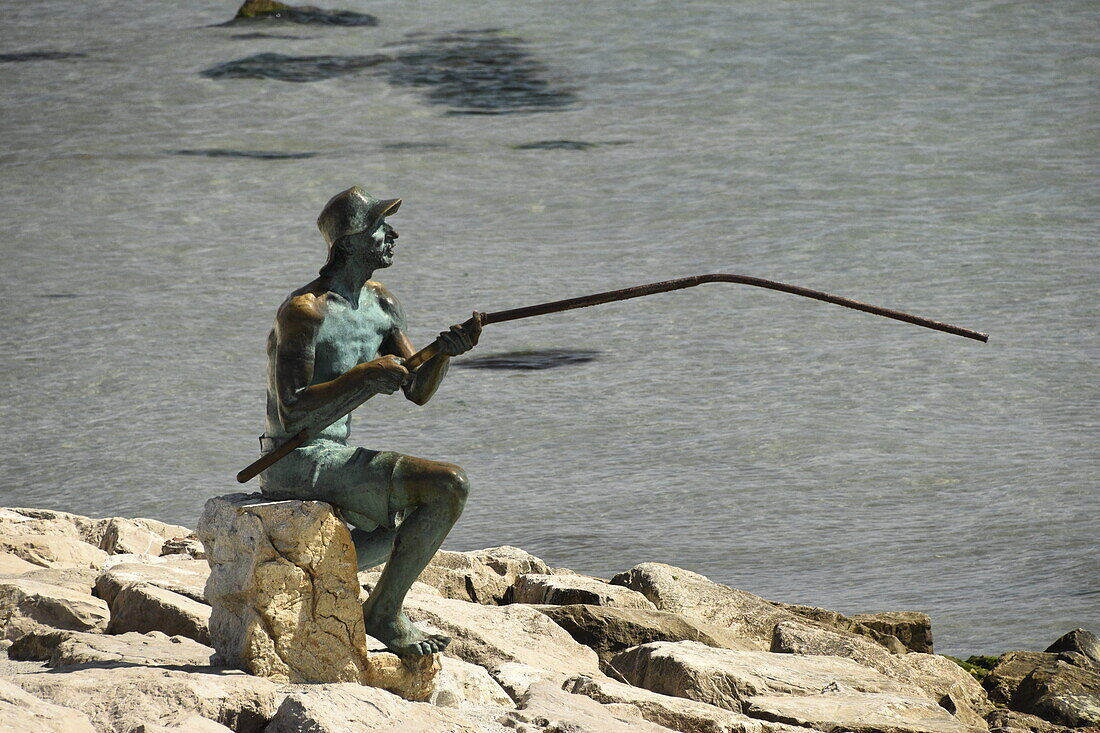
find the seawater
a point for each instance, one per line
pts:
(158, 197)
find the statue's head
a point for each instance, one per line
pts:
(355, 220)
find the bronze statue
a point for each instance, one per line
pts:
(336, 342)
(340, 340)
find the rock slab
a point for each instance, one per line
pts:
(285, 597)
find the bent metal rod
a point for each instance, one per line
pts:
(416, 360)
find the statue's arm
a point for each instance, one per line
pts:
(428, 377)
(304, 405)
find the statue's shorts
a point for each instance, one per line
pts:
(357, 480)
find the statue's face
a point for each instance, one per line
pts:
(377, 247)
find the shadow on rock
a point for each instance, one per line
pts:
(253, 154)
(529, 360)
(268, 11)
(293, 68)
(11, 58)
(479, 72)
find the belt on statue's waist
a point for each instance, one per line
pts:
(268, 443)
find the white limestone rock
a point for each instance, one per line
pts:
(53, 550)
(675, 713)
(143, 607)
(351, 708)
(561, 590)
(836, 709)
(285, 597)
(179, 574)
(117, 699)
(697, 597)
(493, 635)
(481, 576)
(24, 713)
(940, 678)
(26, 602)
(546, 706)
(461, 684)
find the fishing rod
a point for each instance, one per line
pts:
(417, 360)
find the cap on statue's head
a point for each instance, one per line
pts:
(353, 211)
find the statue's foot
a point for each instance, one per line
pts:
(402, 637)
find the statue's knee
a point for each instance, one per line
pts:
(456, 486)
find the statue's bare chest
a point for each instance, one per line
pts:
(349, 335)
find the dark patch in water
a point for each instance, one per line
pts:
(566, 145)
(255, 154)
(308, 15)
(414, 146)
(292, 68)
(478, 72)
(8, 58)
(59, 296)
(259, 36)
(529, 360)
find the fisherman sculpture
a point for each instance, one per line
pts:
(338, 341)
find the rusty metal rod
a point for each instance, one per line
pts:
(417, 360)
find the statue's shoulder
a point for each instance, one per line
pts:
(387, 300)
(302, 309)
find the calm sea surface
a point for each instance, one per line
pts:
(157, 202)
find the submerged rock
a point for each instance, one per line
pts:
(480, 72)
(271, 10)
(299, 69)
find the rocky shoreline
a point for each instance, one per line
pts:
(106, 626)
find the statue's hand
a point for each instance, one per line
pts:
(386, 374)
(460, 338)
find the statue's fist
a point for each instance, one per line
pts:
(386, 374)
(460, 338)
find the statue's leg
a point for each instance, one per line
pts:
(372, 546)
(432, 495)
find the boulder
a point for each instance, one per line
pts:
(25, 601)
(190, 545)
(119, 698)
(560, 590)
(1061, 692)
(675, 713)
(1002, 720)
(836, 709)
(460, 684)
(14, 565)
(190, 724)
(826, 619)
(53, 550)
(545, 706)
(127, 536)
(150, 650)
(911, 628)
(352, 708)
(23, 713)
(285, 597)
(143, 607)
(369, 578)
(728, 678)
(81, 580)
(515, 678)
(21, 521)
(183, 575)
(941, 679)
(609, 630)
(481, 576)
(272, 10)
(62, 648)
(493, 635)
(692, 595)
(1080, 641)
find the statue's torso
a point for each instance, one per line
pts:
(348, 335)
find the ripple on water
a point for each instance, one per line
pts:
(253, 154)
(11, 58)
